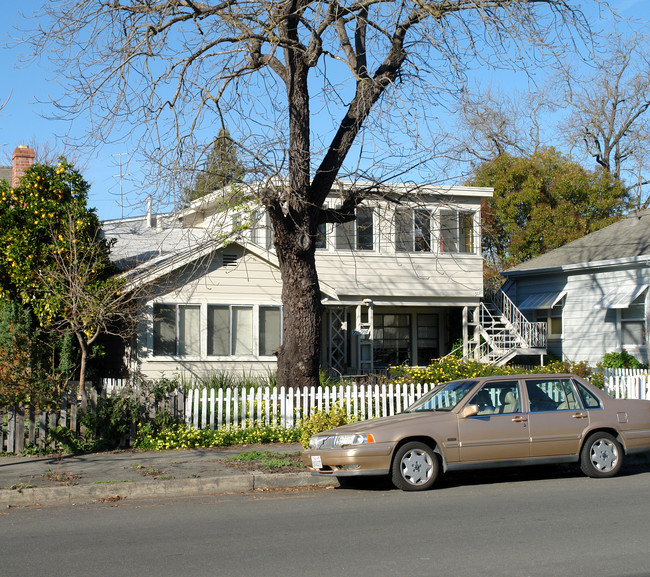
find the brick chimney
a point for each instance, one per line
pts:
(21, 160)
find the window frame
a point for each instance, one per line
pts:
(233, 336)
(462, 235)
(407, 222)
(625, 317)
(379, 326)
(347, 234)
(260, 338)
(552, 317)
(179, 344)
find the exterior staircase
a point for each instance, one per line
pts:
(496, 331)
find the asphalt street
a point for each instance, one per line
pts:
(539, 523)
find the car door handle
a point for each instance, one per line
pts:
(579, 415)
(519, 419)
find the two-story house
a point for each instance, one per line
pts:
(394, 283)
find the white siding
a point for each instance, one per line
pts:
(251, 282)
(452, 280)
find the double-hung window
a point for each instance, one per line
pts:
(176, 330)
(270, 331)
(456, 231)
(357, 234)
(412, 230)
(553, 318)
(392, 338)
(633, 331)
(230, 330)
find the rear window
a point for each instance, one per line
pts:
(589, 400)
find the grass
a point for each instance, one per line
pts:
(266, 461)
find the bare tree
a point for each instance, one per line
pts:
(609, 118)
(314, 89)
(490, 122)
(85, 299)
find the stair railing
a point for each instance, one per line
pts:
(532, 335)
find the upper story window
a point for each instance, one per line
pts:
(321, 236)
(456, 231)
(358, 234)
(412, 230)
(261, 231)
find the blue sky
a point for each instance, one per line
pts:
(22, 122)
(22, 119)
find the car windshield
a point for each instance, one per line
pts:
(443, 398)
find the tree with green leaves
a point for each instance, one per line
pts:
(55, 262)
(33, 366)
(540, 203)
(29, 214)
(222, 167)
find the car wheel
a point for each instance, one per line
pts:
(415, 467)
(601, 456)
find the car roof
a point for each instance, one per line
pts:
(526, 376)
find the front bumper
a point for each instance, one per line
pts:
(370, 459)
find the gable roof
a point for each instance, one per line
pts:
(142, 239)
(627, 240)
(163, 265)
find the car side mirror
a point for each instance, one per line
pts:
(470, 411)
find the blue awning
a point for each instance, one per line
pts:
(545, 300)
(621, 297)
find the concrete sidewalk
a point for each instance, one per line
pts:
(113, 476)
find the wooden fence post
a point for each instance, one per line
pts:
(32, 425)
(20, 429)
(2, 430)
(42, 428)
(11, 428)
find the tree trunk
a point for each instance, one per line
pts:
(299, 355)
(83, 345)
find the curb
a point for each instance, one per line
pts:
(80, 494)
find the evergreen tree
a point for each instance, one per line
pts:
(221, 168)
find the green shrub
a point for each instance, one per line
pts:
(621, 360)
(323, 421)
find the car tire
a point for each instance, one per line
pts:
(415, 467)
(601, 456)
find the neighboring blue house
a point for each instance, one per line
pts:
(592, 293)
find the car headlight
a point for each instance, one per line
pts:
(318, 441)
(358, 439)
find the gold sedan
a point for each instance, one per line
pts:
(488, 422)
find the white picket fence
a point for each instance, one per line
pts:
(244, 407)
(627, 383)
(241, 407)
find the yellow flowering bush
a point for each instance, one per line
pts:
(320, 421)
(181, 437)
(452, 368)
